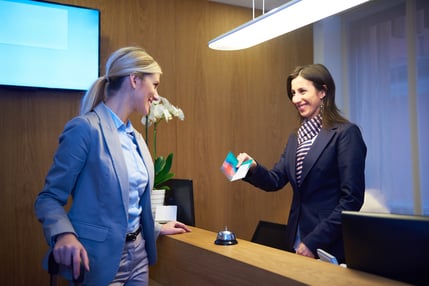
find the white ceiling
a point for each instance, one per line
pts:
(268, 5)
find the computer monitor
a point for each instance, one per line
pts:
(181, 194)
(390, 245)
(48, 45)
(270, 234)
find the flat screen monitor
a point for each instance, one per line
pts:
(270, 234)
(390, 245)
(48, 45)
(181, 194)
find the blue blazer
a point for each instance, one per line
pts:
(333, 180)
(89, 165)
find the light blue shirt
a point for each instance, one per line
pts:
(138, 176)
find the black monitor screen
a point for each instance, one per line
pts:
(270, 234)
(390, 245)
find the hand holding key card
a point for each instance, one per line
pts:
(231, 171)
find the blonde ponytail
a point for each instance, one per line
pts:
(94, 95)
(120, 64)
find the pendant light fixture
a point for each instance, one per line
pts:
(286, 18)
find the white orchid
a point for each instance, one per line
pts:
(160, 110)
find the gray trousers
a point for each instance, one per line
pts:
(134, 266)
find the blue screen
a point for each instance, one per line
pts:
(48, 45)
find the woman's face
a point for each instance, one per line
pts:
(306, 97)
(146, 92)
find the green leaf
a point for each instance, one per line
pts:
(162, 179)
(159, 164)
(162, 171)
(166, 166)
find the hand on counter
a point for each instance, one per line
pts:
(174, 227)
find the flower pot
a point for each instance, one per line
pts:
(157, 199)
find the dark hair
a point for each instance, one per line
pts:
(321, 78)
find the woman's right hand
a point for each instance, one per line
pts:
(243, 157)
(70, 252)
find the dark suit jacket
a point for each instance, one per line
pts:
(333, 180)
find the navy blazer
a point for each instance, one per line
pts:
(89, 165)
(333, 180)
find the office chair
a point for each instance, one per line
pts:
(270, 234)
(181, 194)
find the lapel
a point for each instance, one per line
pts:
(322, 140)
(144, 152)
(293, 143)
(113, 144)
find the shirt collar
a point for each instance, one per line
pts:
(128, 127)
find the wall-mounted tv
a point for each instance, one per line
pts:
(48, 45)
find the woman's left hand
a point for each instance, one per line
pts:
(174, 227)
(303, 250)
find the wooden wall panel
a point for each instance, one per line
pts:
(233, 101)
(30, 122)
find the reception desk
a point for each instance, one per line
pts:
(193, 259)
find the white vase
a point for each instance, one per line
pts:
(157, 199)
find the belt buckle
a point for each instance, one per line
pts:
(131, 237)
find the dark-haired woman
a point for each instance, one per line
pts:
(324, 162)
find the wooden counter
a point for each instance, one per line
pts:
(193, 259)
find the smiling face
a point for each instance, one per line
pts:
(306, 98)
(145, 91)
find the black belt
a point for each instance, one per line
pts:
(133, 235)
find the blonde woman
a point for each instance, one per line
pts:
(103, 163)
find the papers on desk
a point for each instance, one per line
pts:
(230, 170)
(164, 214)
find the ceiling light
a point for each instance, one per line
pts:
(286, 18)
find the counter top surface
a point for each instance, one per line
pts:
(202, 258)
